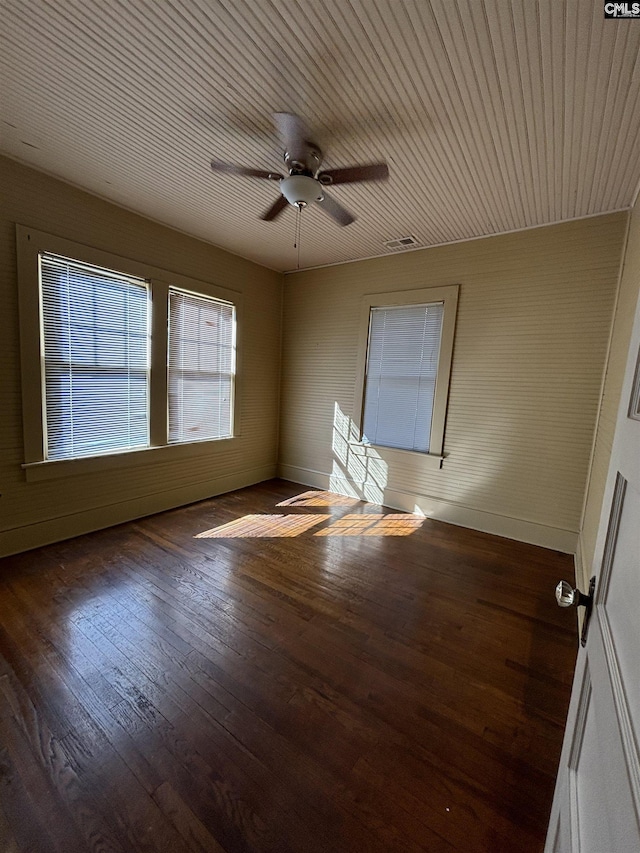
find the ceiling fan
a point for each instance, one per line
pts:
(305, 184)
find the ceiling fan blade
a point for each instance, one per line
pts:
(275, 210)
(336, 211)
(231, 169)
(295, 135)
(353, 174)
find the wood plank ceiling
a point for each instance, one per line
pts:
(493, 115)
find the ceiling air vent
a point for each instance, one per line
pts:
(401, 243)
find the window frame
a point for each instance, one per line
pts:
(52, 302)
(448, 296)
(30, 244)
(234, 356)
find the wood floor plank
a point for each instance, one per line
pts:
(21, 826)
(167, 687)
(74, 821)
(188, 825)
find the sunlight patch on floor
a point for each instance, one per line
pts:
(267, 526)
(373, 524)
(319, 499)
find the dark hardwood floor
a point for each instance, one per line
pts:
(321, 679)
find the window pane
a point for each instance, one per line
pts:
(402, 365)
(96, 353)
(201, 367)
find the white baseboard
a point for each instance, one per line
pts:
(558, 539)
(64, 527)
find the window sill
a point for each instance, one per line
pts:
(55, 469)
(429, 460)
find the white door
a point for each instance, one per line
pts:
(596, 806)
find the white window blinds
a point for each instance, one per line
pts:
(402, 365)
(96, 359)
(201, 367)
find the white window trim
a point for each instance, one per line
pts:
(30, 244)
(449, 296)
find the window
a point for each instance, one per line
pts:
(201, 367)
(405, 356)
(95, 327)
(119, 357)
(400, 378)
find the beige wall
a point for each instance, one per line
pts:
(533, 325)
(32, 513)
(616, 363)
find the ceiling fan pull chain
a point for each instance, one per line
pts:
(296, 244)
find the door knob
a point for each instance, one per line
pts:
(567, 596)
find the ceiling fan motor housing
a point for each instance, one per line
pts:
(301, 190)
